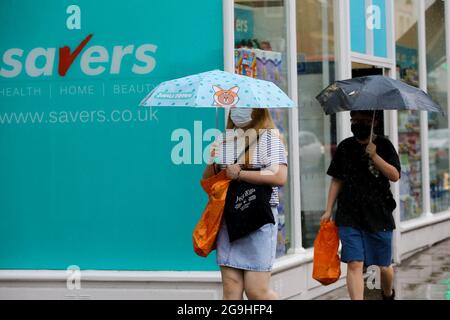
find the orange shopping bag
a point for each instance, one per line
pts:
(326, 263)
(206, 230)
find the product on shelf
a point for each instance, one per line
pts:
(260, 64)
(245, 62)
(410, 160)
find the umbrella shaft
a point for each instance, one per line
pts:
(371, 129)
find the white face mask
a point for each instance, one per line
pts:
(241, 117)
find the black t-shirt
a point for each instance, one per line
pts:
(365, 200)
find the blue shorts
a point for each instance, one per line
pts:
(371, 248)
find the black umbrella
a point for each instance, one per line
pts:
(374, 93)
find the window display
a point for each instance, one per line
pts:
(406, 16)
(438, 136)
(317, 131)
(260, 64)
(410, 160)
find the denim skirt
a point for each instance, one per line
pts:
(254, 252)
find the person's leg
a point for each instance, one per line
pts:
(233, 283)
(379, 252)
(355, 280)
(353, 254)
(257, 286)
(387, 280)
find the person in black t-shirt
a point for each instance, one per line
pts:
(361, 171)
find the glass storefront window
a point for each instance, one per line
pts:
(317, 133)
(260, 52)
(406, 19)
(438, 137)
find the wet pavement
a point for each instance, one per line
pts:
(423, 276)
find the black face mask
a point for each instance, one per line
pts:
(361, 131)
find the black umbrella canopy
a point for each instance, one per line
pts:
(375, 93)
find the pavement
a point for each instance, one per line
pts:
(423, 276)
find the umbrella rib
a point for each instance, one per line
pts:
(380, 93)
(404, 101)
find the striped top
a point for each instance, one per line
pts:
(269, 151)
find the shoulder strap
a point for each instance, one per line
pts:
(237, 158)
(246, 149)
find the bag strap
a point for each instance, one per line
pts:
(247, 148)
(237, 158)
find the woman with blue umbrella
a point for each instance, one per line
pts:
(252, 154)
(246, 263)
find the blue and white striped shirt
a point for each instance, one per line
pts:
(268, 152)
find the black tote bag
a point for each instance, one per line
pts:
(247, 208)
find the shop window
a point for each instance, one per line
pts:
(406, 17)
(317, 133)
(260, 52)
(438, 137)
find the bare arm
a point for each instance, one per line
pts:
(333, 192)
(388, 170)
(273, 176)
(209, 170)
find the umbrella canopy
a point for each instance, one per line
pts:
(217, 89)
(374, 93)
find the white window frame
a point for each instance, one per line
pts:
(294, 178)
(423, 84)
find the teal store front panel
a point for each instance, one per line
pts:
(369, 17)
(379, 30)
(87, 177)
(358, 25)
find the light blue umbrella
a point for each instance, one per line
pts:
(217, 89)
